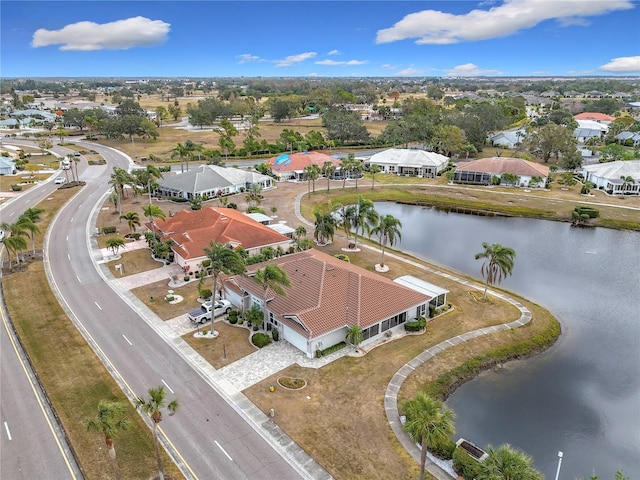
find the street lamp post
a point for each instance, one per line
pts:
(560, 454)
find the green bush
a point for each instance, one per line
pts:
(592, 212)
(108, 230)
(444, 450)
(464, 465)
(260, 339)
(205, 293)
(136, 236)
(233, 315)
(416, 325)
(275, 334)
(16, 188)
(331, 349)
(206, 263)
(187, 278)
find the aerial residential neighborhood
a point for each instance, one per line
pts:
(405, 248)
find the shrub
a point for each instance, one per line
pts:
(16, 188)
(108, 230)
(591, 212)
(260, 339)
(275, 334)
(464, 465)
(331, 349)
(205, 294)
(416, 325)
(187, 278)
(444, 450)
(136, 236)
(206, 263)
(233, 316)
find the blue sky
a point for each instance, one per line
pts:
(319, 38)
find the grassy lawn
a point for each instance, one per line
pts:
(135, 261)
(234, 341)
(162, 308)
(72, 375)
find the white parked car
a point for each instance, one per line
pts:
(60, 180)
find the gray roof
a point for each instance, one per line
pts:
(614, 170)
(209, 177)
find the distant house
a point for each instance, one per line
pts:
(483, 170)
(7, 166)
(209, 181)
(611, 176)
(409, 162)
(190, 231)
(588, 129)
(631, 139)
(595, 117)
(291, 166)
(509, 139)
(326, 298)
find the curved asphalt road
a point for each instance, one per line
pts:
(207, 437)
(25, 417)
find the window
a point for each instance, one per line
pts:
(422, 310)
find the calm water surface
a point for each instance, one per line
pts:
(582, 396)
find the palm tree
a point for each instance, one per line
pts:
(387, 231)
(153, 211)
(328, 169)
(373, 169)
(110, 421)
(114, 244)
(224, 259)
(14, 244)
(354, 336)
(428, 422)
(498, 264)
(71, 158)
(365, 217)
(254, 195)
(627, 181)
(185, 151)
(507, 463)
(346, 218)
(325, 228)
(33, 214)
(147, 176)
(311, 173)
(133, 220)
(345, 168)
(119, 178)
(300, 232)
(153, 407)
(356, 169)
(28, 225)
(273, 278)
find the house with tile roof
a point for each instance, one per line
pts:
(409, 162)
(610, 176)
(482, 171)
(210, 181)
(7, 166)
(326, 298)
(291, 166)
(190, 231)
(595, 117)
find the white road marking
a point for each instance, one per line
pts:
(12, 214)
(165, 384)
(98, 305)
(223, 450)
(68, 256)
(79, 281)
(67, 238)
(123, 336)
(6, 427)
(72, 219)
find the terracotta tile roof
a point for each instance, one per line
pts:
(191, 231)
(298, 161)
(598, 117)
(327, 293)
(500, 165)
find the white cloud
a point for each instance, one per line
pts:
(334, 52)
(470, 70)
(247, 58)
(622, 65)
(389, 67)
(346, 62)
(118, 35)
(291, 59)
(441, 28)
(407, 72)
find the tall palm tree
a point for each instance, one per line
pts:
(110, 422)
(224, 259)
(182, 151)
(312, 173)
(147, 176)
(152, 212)
(325, 227)
(114, 244)
(365, 217)
(33, 214)
(273, 278)
(428, 422)
(346, 218)
(507, 463)
(72, 159)
(345, 168)
(373, 169)
(300, 232)
(328, 169)
(14, 244)
(28, 225)
(119, 178)
(356, 169)
(153, 407)
(498, 263)
(133, 220)
(387, 231)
